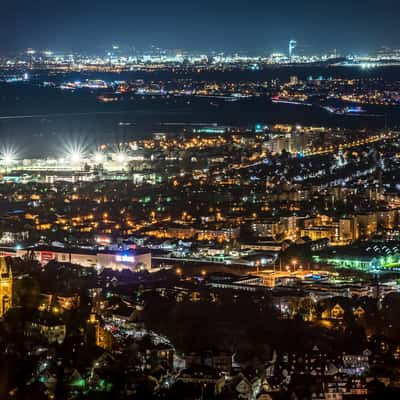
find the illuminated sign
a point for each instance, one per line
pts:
(125, 258)
(46, 256)
(103, 240)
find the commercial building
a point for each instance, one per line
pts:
(134, 260)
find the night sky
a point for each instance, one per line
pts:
(253, 25)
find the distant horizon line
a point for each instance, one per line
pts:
(124, 49)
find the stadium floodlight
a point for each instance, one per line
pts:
(121, 157)
(75, 153)
(98, 157)
(8, 156)
(76, 157)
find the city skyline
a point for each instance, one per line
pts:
(258, 27)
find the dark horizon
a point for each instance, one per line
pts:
(252, 27)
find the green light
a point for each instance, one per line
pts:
(79, 383)
(373, 264)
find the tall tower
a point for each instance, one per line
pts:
(292, 46)
(6, 284)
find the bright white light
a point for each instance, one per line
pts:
(76, 157)
(98, 158)
(121, 157)
(75, 153)
(125, 258)
(8, 157)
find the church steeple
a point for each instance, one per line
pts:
(6, 286)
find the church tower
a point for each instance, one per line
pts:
(6, 283)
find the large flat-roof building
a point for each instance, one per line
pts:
(367, 256)
(134, 260)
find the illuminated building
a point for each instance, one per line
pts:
(272, 228)
(97, 334)
(367, 257)
(336, 312)
(289, 225)
(320, 232)
(53, 330)
(387, 218)
(219, 235)
(348, 230)
(356, 364)
(137, 260)
(291, 142)
(184, 233)
(211, 130)
(294, 80)
(64, 302)
(160, 354)
(367, 223)
(174, 232)
(6, 286)
(359, 312)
